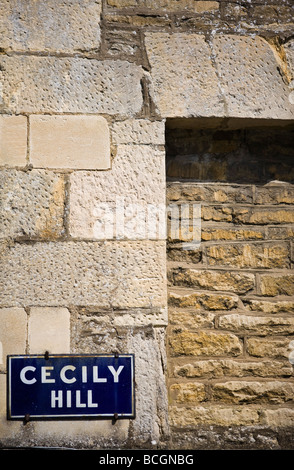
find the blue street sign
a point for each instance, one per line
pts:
(70, 386)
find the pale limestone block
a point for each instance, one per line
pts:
(49, 330)
(31, 204)
(75, 142)
(184, 82)
(138, 131)
(13, 333)
(13, 140)
(127, 202)
(250, 79)
(105, 274)
(66, 25)
(35, 84)
(8, 429)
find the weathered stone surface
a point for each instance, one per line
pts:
(49, 330)
(250, 79)
(120, 203)
(281, 233)
(187, 392)
(281, 417)
(74, 85)
(217, 214)
(213, 368)
(138, 131)
(167, 5)
(213, 414)
(176, 252)
(116, 274)
(189, 343)
(277, 284)
(187, 317)
(231, 234)
(184, 83)
(275, 194)
(205, 71)
(262, 325)
(272, 392)
(213, 280)
(209, 192)
(261, 255)
(32, 204)
(269, 347)
(205, 299)
(74, 142)
(267, 306)
(13, 140)
(65, 26)
(13, 333)
(264, 216)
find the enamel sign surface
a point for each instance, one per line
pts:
(70, 386)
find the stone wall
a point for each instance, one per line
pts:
(231, 294)
(89, 91)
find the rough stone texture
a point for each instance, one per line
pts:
(33, 84)
(216, 368)
(277, 284)
(254, 86)
(251, 88)
(230, 335)
(205, 300)
(213, 280)
(98, 212)
(206, 343)
(13, 333)
(178, 79)
(261, 325)
(49, 330)
(265, 255)
(138, 131)
(32, 204)
(167, 5)
(68, 273)
(74, 142)
(253, 392)
(13, 138)
(64, 26)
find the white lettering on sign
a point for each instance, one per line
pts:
(57, 399)
(47, 374)
(23, 377)
(63, 377)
